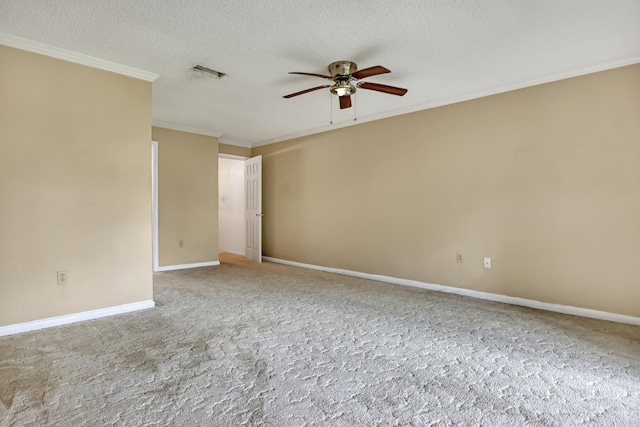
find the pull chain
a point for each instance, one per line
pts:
(330, 110)
(355, 106)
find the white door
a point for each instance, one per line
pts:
(253, 207)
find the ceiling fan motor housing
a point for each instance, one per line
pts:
(342, 68)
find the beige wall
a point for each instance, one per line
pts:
(187, 197)
(544, 180)
(234, 150)
(75, 187)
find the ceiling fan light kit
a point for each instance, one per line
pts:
(345, 72)
(342, 88)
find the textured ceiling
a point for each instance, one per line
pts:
(441, 50)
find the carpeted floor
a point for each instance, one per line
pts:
(273, 345)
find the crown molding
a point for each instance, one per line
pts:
(182, 128)
(232, 142)
(78, 58)
(609, 65)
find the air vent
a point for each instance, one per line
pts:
(209, 71)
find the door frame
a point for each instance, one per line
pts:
(242, 159)
(154, 199)
(232, 156)
(154, 204)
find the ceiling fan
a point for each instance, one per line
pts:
(345, 72)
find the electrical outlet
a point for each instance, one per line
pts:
(459, 257)
(181, 243)
(487, 263)
(63, 277)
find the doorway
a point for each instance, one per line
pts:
(231, 205)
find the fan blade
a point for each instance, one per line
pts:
(345, 101)
(368, 72)
(383, 88)
(312, 74)
(302, 92)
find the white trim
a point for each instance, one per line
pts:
(67, 319)
(232, 156)
(609, 65)
(182, 128)
(78, 58)
(236, 143)
(558, 308)
(185, 266)
(154, 191)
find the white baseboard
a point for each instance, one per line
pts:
(185, 266)
(75, 317)
(558, 308)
